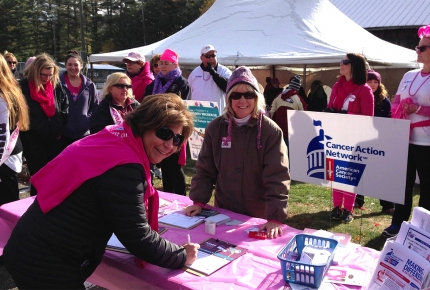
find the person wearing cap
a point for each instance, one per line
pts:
(244, 156)
(208, 81)
(170, 80)
(382, 109)
(139, 72)
(350, 95)
(289, 99)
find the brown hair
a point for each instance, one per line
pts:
(9, 54)
(154, 59)
(158, 111)
(73, 54)
(11, 93)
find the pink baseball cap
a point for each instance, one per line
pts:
(170, 55)
(134, 56)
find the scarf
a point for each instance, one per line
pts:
(170, 77)
(45, 97)
(343, 89)
(140, 80)
(87, 157)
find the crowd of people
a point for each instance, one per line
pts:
(112, 141)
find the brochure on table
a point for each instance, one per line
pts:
(213, 255)
(180, 220)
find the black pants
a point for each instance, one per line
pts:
(38, 152)
(418, 161)
(173, 176)
(8, 185)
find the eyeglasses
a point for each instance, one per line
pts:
(155, 65)
(210, 55)
(166, 134)
(122, 86)
(238, 95)
(165, 63)
(421, 48)
(345, 61)
(46, 75)
(11, 62)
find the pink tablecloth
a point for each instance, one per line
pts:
(258, 269)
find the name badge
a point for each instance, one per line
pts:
(226, 142)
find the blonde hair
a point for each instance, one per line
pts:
(112, 80)
(33, 70)
(11, 93)
(9, 54)
(260, 103)
(158, 111)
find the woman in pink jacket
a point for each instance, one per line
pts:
(350, 95)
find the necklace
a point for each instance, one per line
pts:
(412, 95)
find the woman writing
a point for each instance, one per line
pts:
(412, 102)
(117, 100)
(48, 106)
(350, 95)
(82, 94)
(13, 118)
(66, 229)
(244, 155)
(170, 80)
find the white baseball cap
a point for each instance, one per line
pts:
(134, 56)
(207, 48)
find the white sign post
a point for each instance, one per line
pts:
(360, 154)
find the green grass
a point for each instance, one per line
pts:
(309, 206)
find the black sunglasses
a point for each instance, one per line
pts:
(210, 55)
(421, 48)
(122, 86)
(238, 95)
(155, 65)
(166, 134)
(345, 61)
(11, 62)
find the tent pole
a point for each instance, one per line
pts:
(304, 77)
(273, 71)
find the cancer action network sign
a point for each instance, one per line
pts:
(360, 154)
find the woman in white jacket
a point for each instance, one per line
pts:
(13, 118)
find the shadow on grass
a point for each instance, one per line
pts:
(376, 243)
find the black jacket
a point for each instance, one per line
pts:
(40, 125)
(80, 110)
(180, 86)
(62, 248)
(101, 116)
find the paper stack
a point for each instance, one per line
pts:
(404, 262)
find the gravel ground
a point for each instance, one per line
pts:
(6, 281)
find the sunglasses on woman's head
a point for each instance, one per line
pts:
(345, 61)
(122, 86)
(421, 48)
(165, 134)
(238, 95)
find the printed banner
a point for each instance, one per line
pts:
(204, 112)
(360, 154)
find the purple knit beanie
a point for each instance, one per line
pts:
(373, 75)
(242, 75)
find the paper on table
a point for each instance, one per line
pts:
(180, 220)
(347, 276)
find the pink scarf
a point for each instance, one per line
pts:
(343, 89)
(88, 157)
(45, 97)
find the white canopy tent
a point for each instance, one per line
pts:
(292, 33)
